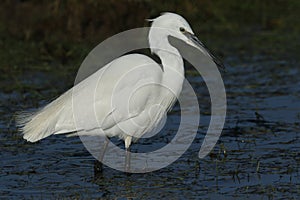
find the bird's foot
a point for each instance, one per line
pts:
(98, 168)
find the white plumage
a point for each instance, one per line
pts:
(129, 99)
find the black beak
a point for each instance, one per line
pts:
(204, 49)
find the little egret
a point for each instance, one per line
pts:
(123, 78)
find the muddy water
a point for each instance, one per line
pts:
(257, 156)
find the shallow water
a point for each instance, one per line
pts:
(257, 155)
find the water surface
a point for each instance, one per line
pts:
(257, 155)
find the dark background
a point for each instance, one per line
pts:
(59, 32)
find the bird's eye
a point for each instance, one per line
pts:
(182, 29)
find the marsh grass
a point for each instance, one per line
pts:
(45, 35)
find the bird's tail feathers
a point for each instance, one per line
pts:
(36, 125)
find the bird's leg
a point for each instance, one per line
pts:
(127, 160)
(127, 156)
(103, 150)
(98, 166)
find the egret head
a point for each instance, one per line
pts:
(168, 24)
(171, 24)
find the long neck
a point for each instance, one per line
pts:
(172, 63)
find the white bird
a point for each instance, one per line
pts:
(123, 108)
